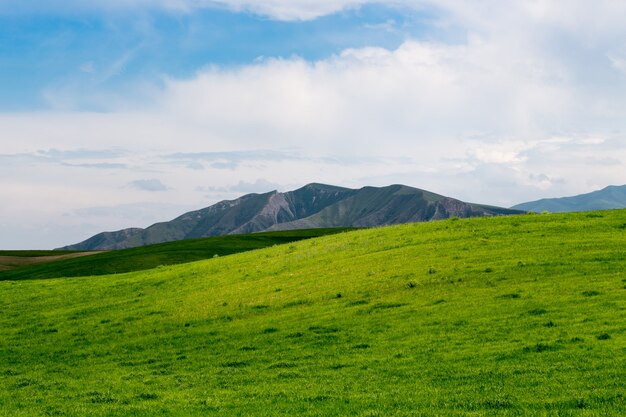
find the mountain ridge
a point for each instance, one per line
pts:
(311, 206)
(610, 197)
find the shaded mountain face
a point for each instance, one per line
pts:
(312, 206)
(611, 197)
(105, 240)
(395, 204)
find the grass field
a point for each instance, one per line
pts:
(56, 264)
(506, 316)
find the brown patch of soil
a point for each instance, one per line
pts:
(12, 262)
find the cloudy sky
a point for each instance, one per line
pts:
(127, 112)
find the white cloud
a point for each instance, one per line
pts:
(600, 20)
(150, 185)
(421, 98)
(287, 10)
(259, 186)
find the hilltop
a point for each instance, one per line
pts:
(312, 206)
(504, 316)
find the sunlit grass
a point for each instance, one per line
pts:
(507, 316)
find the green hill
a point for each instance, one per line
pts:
(501, 316)
(41, 265)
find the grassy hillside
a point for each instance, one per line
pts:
(522, 315)
(146, 257)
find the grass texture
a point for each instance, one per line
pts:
(507, 316)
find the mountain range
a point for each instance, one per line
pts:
(312, 206)
(611, 197)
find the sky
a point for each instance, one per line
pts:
(127, 112)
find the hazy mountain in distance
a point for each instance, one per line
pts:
(105, 239)
(611, 197)
(312, 206)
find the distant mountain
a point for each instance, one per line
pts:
(105, 239)
(611, 197)
(312, 206)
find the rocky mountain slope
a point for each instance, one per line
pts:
(312, 206)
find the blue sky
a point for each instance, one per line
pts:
(127, 112)
(112, 51)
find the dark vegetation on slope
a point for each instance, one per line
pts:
(11, 259)
(506, 316)
(151, 256)
(312, 206)
(34, 253)
(611, 197)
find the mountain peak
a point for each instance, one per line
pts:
(322, 187)
(314, 205)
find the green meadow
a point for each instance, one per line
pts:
(40, 264)
(506, 316)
